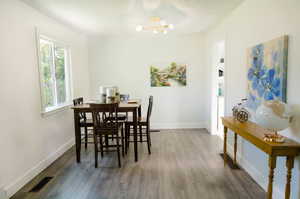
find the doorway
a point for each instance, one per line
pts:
(218, 88)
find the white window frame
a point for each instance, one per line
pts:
(68, 76)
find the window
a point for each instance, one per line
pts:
(54, 74)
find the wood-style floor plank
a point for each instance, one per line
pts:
(184, 164)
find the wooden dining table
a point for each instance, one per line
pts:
(134, 108)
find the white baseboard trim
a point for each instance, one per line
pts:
(3, 194)
(177, 125)
(259, 177)
(12, 188)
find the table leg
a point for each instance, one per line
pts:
(77, 135)
(135, 135)
(140, 112)
(290, 166)
(225, 145)
(140, 118)
(272, 166)
(235, 148)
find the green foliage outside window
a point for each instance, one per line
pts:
(60, 74)
(47, 82)
(53, 69)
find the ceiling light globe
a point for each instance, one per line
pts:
(139, 28)
(155, 31)
(171, 26)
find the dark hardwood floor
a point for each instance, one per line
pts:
(184, 164)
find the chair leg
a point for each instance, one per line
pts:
(148, 139)
(112, 138)
(127, 137)
(101, 146)
(86, 137)
(125, 146)
(118, 150)
(149, 132)
(122, 138)
(106, 140)
(141, 133)
(96, 150)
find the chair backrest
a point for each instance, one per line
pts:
(150, 105)
(105, 117)
(78, 101)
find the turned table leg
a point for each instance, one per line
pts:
(289, 166)
(235, 148)
(225, 145)
(272, 166)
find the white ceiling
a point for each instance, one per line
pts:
(122, 16)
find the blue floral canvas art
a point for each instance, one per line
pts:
(267, 72)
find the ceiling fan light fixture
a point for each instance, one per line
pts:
(157, 25)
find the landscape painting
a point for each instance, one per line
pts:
(267, 72)
(170, 76)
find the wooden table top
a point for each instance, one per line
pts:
(255, 134)
(121, 105)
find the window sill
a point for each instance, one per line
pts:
(55, 110)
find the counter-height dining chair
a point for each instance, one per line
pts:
(106, 125)
(122, 118)
(85, 123)
(143, 124)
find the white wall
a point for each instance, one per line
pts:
(125, 62)
(253, 22)
(28, 141)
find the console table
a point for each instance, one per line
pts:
(255, 135)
